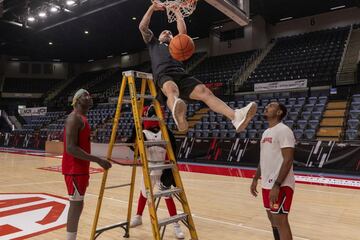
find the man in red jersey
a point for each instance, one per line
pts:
(76, 158)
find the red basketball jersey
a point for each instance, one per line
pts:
(72, 165)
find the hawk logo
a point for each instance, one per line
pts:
(267, 140)
(30, 214)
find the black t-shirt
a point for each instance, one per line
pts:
(161, 60)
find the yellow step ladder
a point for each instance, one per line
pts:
(137, 102)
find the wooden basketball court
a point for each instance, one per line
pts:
(222, 206)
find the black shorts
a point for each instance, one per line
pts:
(185, 82)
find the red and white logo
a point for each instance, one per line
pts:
(30, 214)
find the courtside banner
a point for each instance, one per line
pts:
(311, 156)
(271, 86)
(37, 111)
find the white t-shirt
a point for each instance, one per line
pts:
(272, 141)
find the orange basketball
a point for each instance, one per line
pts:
(181, 47)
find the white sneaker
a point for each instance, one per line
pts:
(179, 114)
(243, 116)
(136, 221)
(178, 232)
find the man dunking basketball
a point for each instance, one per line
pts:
(76, 159)
(276, 170)
(176, 84)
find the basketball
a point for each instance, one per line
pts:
(182, 47)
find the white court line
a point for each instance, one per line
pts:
(239, 225)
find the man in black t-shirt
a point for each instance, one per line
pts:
(176, 84)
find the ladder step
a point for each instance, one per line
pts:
(161, 167)
(118, 186)
(145, 96)
(167, 193)
(124, 144)
(155, 143)
(120, 224)
(146, 143)
(173, 219)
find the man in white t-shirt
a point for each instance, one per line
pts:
(276, 170)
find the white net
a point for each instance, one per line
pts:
(186, 7)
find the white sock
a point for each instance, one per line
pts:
(71, 235)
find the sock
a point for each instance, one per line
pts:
(276, 233)
(141, 204)
(171, 206)
(71, 235)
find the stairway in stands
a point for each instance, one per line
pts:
(334, 118)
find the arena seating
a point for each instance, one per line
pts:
(352, 131)
(221, 68)
(24, 85)
(314, 56)
(304, 115)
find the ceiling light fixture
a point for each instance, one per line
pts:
(70, 2)
(86, 32)
(42, 14)
(50, 43)
(133, 18)
(91, 60)
(287, 18)
(337, 7)
(54, 9)
(195, 38)
(124, 53)
(31, 19)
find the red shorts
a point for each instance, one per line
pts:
(76, 186)
(284, 200)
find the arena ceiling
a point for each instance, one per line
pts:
(97, 29)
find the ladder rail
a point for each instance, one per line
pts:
(143, 157)
(109, 154)
(171, 156)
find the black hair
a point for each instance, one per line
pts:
(283, 108)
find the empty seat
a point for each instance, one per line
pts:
(316, 115)
(356, 98)
(205, 133)
(305, 115)
(323, 99)
(258, 125)
(355, 106)
(232, 133)
(252, 133)
(215, 133)
(301, 100)
(310, 134)
(223, 133)
(293, 115)
(297, 107)
(308, 107)
(353, 123)
(355, 114)
(302, 124)
(289, 123)
(313, 100)
(351, 134)
(313, 124)
(242, 134)
(298, 133)
(319, 107)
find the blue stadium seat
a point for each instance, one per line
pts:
(215, 133)
(353, 123)
(352, 134)
(309, 134)
(313, 100)
(314, 124)
(355, 114)
(289, 123)
(316, 115)
(356, 98)
(298, 133)
(252, 133)
(305, 115)
(319, 107)
(355, 106)
(302, 124)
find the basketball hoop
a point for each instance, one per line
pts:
(186, 7)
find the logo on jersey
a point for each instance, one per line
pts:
(267, 140)
(26, 215)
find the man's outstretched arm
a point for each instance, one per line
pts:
(145, 22)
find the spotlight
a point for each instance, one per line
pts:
(54, 9)
(86, 32)
(31, 19)
(133, 18)
(70, 2)
(50, 43)
(42, 14)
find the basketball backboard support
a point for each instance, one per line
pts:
(237, 10)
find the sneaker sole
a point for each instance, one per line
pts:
(250, 114)
(179, 115)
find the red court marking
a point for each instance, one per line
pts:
(8, 229)
(13, 202)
